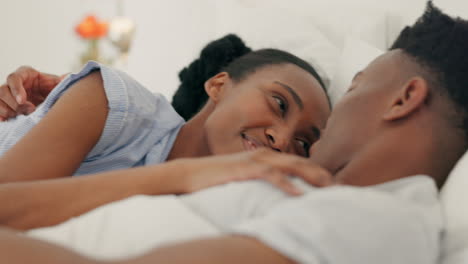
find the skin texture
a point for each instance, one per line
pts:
(18, 249)
(223, 250)
(396, 143)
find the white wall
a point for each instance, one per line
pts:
(169, 33)
(41, 34)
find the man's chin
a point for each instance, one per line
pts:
(327, 163)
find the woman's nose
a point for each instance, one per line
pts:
(277, 141)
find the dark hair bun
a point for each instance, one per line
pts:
(191, 96)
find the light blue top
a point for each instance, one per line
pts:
(140, 129)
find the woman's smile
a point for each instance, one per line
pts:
(251, 143)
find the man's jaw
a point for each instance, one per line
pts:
(327, 162)
(339, 168)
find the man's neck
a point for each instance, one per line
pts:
(391, 157)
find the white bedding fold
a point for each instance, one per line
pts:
(129, 227)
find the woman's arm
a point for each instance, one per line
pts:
(57, 145)
(42, 203)
(48, 202)
(16, 248)
(230, 249)
(223, 249)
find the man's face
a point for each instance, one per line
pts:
(357, 118)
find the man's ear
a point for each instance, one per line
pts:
(411, 97)
(216, 85)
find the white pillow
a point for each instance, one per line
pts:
(356, 55)
(274, 27)
(454, 197)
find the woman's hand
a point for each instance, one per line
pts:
(274, 167)
(25, 89)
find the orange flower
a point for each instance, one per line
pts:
(91, 28)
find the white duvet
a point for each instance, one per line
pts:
(129, 227)
(395, 222)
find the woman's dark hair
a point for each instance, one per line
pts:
(227, 54)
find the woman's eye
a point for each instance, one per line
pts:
(281, 104)
(304, 145)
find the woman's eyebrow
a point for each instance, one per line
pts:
(294, 95)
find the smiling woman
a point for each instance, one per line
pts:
(108, 121)
(275, 107)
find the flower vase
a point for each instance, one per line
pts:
(92, 51)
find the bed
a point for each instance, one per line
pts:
(339, 50)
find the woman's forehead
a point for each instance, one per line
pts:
(289, 74)
(294, 80)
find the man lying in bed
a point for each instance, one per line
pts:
(404, 115)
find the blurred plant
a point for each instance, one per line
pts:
(119, 31)
(91, 30)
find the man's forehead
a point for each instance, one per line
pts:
(390, 64)
(388, 59)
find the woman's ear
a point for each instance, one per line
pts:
(412, 95)
(216, 85)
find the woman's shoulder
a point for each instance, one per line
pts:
(137, 97)
(137, 119)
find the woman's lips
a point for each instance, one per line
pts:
(251, 143)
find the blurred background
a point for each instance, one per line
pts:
(169, 34)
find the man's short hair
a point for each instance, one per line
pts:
(439, 44)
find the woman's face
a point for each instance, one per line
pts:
(282, 107)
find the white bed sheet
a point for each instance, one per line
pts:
(160, 220)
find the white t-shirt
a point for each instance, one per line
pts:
(395, 222)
